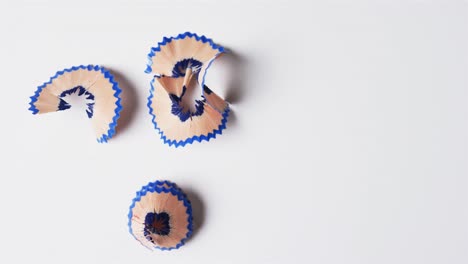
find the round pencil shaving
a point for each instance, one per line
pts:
(179, 64)
(160, 216)
(95, 84)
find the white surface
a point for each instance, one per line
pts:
(349, 142)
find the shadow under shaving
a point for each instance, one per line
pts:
(129, 101)
(198, 210)
(236, 65)
(232, 119)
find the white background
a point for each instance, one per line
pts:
(348, 142)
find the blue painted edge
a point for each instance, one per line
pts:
(107, 75)
(115, 86)
(157, 187)
(190, 140)
(167, 40)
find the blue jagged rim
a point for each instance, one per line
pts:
(158, 187)
(167, 40)
(107, 75)
(190, 140)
